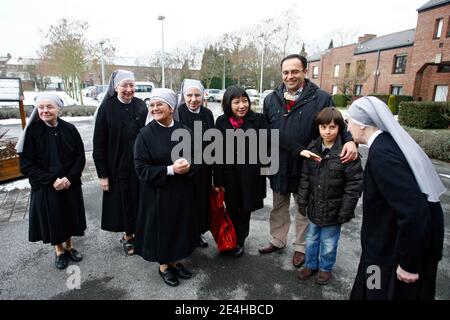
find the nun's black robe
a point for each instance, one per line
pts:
(399, 227)
(50, 153)
(203, 179)
(116, 128)
(166, 229)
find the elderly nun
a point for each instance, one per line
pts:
(118, 121)
(166, 229)
(402, 230)
(52, 157)
(196, 117)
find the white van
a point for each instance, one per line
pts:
(143, 89)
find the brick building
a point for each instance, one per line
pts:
(414, 62)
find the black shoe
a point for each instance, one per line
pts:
(169, 277)
(202, 242)
(239, 251)
(181, 271)
(61, 261)
(73, 255)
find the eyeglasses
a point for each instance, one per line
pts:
(125, 85)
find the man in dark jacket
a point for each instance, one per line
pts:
(292, 109)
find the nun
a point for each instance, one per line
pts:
(119, 118)
(52, 157)
(166, 229)
(191, 112)
(402, 230)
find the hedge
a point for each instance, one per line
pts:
(341, 100)
(424, 115)
(435, 143)
(69, 111)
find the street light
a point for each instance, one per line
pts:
(262, 68)
(103, 63)
(161, 18)
(223, 80)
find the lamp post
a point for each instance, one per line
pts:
(161, 18)
(262, 68)
(102, 62)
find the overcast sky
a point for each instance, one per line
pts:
(133, 27)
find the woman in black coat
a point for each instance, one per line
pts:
(245, 187)
(52, 156)
(118, 121)
(191, 113)
(402, 231)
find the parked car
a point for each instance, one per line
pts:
(265, 94)
(87, 92)
(253, 95)
(143, 90)
(213, 95)
(97, 90)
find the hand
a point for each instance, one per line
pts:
(349, 152)
(344, 219)
(104, 184)
(310, 155)
(405, 276)
(181, 166)
(58, 184)
(65, 183)
(218, 189)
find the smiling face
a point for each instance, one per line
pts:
(240, 107)
(193, 97)
(48, 111)
(293, 73)
(329, 132)
(125, 90)
(161, 112)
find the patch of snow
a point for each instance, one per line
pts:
(17, 184)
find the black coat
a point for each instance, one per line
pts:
(297, 130)
(48, 154)
(399, 227)
(245, 187)
(166, 229)
(329, 189)
(202, 181)
(116, 128)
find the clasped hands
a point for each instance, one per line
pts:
(181, 166)
(61, 184)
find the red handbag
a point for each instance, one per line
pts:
(222, 228)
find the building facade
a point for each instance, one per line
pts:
(414, 62)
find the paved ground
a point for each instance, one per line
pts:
(27, 271)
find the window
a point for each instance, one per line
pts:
(347, 70)
(399, 64)
(396, 89)
(315, 72)
(438, 28)
(334, 89)
(336, 71)
(440, 93)
(358, 89)
(360, 68)
(444, 68)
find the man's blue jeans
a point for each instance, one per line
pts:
(321, 246)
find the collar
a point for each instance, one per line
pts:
(49, 125)
(373, 137)
(124, 101)
(297, 94)
(170, 125)
(196, 111)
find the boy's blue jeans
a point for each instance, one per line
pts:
(321, 246)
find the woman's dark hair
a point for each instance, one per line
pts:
(329, 114)
(230, 94)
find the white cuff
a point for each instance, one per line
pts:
(170, 170)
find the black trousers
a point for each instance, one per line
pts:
(241, 223)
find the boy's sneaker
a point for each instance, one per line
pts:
(305, 273)
(323, 278)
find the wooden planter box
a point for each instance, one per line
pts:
(9, 168)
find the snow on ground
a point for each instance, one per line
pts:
(68, 101)
(68, 119)
(17, 184)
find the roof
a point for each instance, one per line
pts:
(389, 41)
(22, 61)
(432, 4)
(314, 57)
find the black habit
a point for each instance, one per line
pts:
(399, 227)
(202, 181)
(166, 229)
(245, 187)
(116, 128)
(50, 153)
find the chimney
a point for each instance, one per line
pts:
(366, 37)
